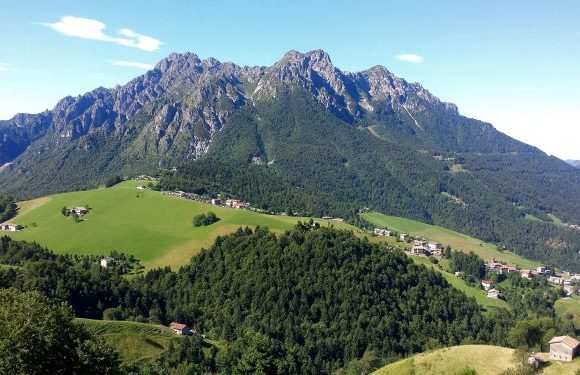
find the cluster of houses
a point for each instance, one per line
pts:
(11, 227)
(573, 226)
(233, 203)
(544, 271)
(422, 247)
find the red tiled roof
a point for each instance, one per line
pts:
(177, 326)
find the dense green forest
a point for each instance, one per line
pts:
(7, 208)
(38, 336)
(314, 300)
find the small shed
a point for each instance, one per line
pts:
(179, 328)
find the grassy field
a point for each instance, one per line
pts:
(569, 307)
(135, 342)
(484, 359)
(456, 240)
(154, 227)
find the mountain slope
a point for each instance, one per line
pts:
(303, 136)
(574, 163)
(173, 113)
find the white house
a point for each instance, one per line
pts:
(216, 202)
(419, 250)
(11, 227)
(435, 246)
(403, 236)
(486, 284)
(493, 293)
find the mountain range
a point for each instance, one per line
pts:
(302, 136)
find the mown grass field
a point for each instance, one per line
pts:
(135, 342)
(569, 307)
(457, 241)
(156, 228)
(484, 359)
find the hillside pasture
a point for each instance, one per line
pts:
(156, 228)
(484, 359)
(456, 240)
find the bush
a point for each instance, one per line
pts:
(203, 220)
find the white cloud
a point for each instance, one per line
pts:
(133, 64)
(88, 28)
(4, 66)
(410, 57)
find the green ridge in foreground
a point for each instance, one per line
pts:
(156, 228)
(135, 342)
(484, 359)
(449, 237)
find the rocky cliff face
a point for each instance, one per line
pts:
(173, 113)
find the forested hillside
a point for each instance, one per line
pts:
(339, 297)
(333, 169)
(303, 136)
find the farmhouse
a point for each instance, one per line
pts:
(216, 202)
(486, 284)
(404, 237)
(500, 267)
(236, 203)
(542, 270)
(493, 293)
(78, 211)
(11, 227)
(419, 250)
(179, 328)
(435, 246)
(555, 280)
(563, 348)
(381, 232)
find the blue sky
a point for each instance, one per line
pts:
(514, 64)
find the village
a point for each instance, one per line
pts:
(562, 348)
(421, 247)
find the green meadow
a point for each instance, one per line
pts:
(569, 309)
(156, 228)
(456, 240)
(484, 359)
(137, 342)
